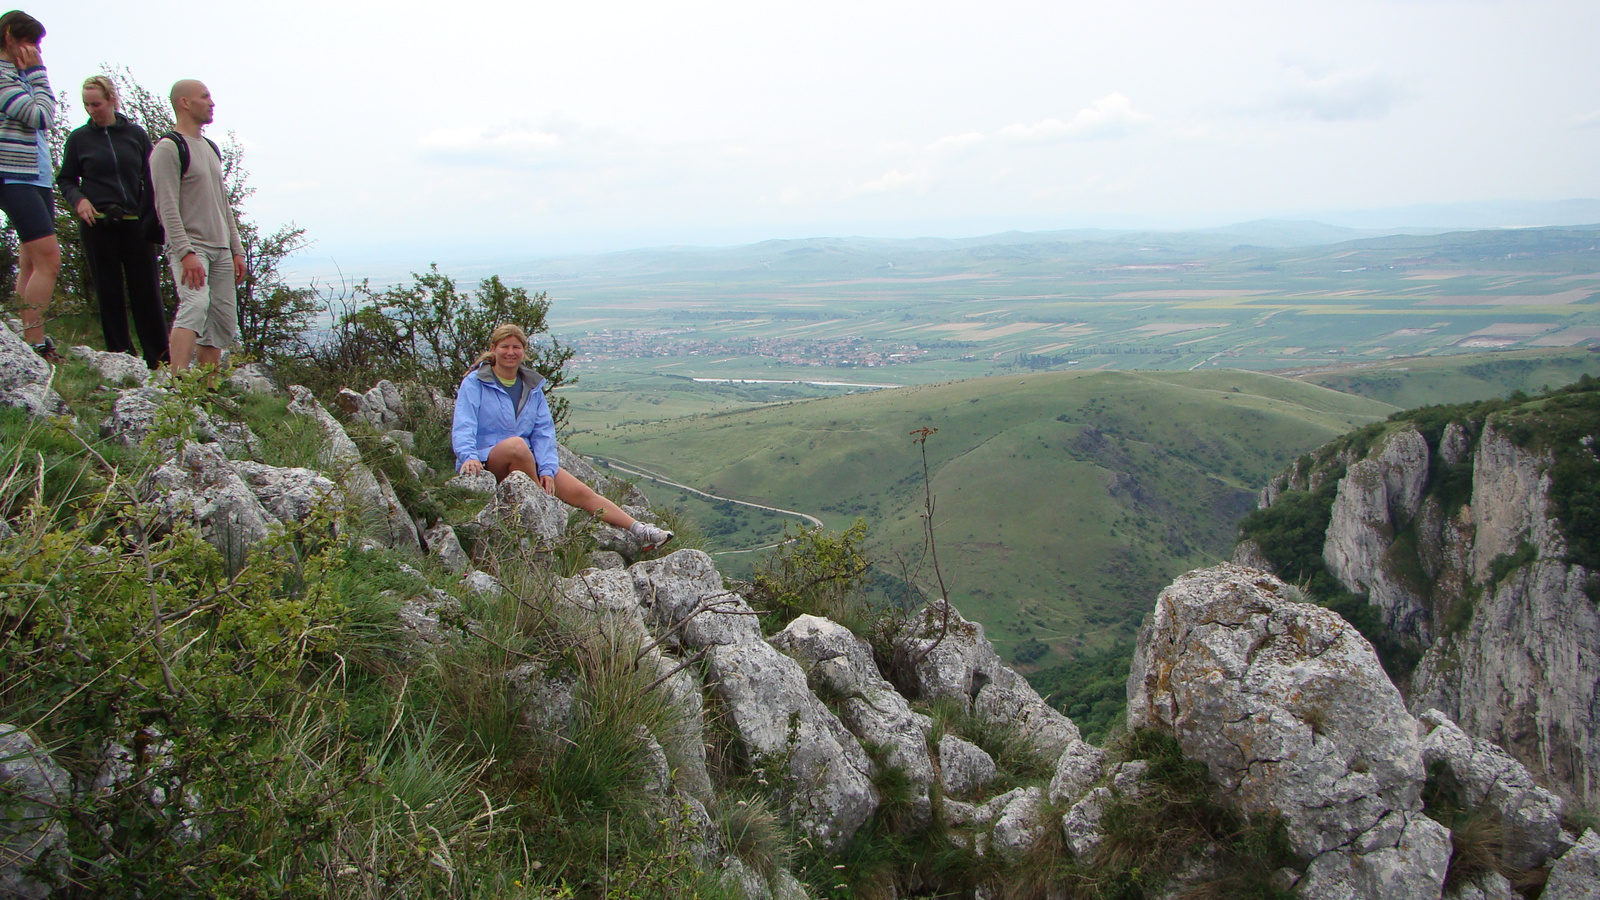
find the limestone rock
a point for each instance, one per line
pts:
(420, 616)
(201, 486)
(1488, 886)
(522, 509)
(482, 583)
(782, 725)
(1576, 875)
(683, 590)
(113, 367)
(1020, 825)
(446, 547)
(1081, 823)
(480, 483)
(1289, 709)
(963, 766)
(382, 407)
(25, 378)
(252, 379)
(1377, 497)
(32, 789)
(1413, 867)
(367, 491)
(1481, 774)
(1078, 768)
(955, 661)
(841, 663)
(290, 495)
(607, 559)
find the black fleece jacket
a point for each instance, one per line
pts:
(109, 164)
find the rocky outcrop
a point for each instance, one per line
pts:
(368, 491)
(383, 407)
(33, 791)
(1481, 775)
(117, 368)
(1576, 875)
(1289, 709)
(25, 378)
(1377, 497)
(1452, 536)
(952, 660)
(522, 511)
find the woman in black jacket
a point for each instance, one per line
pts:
(105, 176)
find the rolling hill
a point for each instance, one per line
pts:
(1064, 500)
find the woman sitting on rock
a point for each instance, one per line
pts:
(503, 424)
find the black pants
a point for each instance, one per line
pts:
(115, 248)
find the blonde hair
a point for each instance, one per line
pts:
(500, 333)
(107, 87)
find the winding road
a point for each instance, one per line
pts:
(659, 479)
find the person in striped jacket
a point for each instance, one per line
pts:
(27, 112)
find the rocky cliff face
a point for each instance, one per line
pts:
(1452, 534)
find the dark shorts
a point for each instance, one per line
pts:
(30, 208)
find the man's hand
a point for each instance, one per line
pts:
(548, 482)
(471, 467)
(86, 211)
(194, 271)
(240, 273)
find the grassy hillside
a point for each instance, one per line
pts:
(1467, 378)
(1065, 500)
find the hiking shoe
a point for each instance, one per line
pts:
(47, 349)
(649, 536)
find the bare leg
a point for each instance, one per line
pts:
(38, 263)
(181, 347)
(571, 491)
(511, 455)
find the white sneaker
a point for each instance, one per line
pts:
(650, 537)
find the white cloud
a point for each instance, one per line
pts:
(1587, 120)
(1340, 96)
(895, 180)
(1112, 116)
(516, 147)
(956, 143)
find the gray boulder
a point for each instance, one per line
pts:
(1020, 825)
(963, 766)
(201, 486)
(1077, 769)
(1289, 709)
(785, 730)
(953, 660)
(1576, 875)
(521, 509)
(381, 407)
(683, 599)
(1482, 774)
(838, 662)
(446, 547)
(33, 845)
(25, 378)
(290, 495)
(113, 367)
(479, 483)
(252, 379)
(368, 492)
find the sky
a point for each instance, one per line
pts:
(479, 129)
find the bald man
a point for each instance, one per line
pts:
(203, 244)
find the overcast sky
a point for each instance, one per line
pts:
(474, 129)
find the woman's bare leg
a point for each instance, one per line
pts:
(511, 455)
(571, 491)
(38, 263)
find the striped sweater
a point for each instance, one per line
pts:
(26, 107)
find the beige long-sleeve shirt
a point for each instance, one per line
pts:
(193, 209)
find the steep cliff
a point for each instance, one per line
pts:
(1462, 540)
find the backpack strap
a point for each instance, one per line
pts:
(183, 150)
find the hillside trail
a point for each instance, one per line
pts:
(661, 479)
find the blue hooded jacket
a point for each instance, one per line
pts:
(485, 417)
